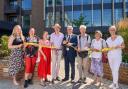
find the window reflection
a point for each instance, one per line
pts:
(97, 17)
(49, 19)
(49, 2)
(77, 2)
(96, 1)
(118, 15)
(88, 17)
(67, 2)
(107, 1)
(26, 4)
(107, 17)
(87, 2)
(68, 18)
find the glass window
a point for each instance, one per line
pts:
(12, 18)
(76, 14)
(67, 2)
(107, 1)
(107, 17)
(58, 2)
(48, 2)
(58, 18)
(27, 4)
(26, 23)
(88, 16)
(77, 2)
(13, 4)
(126, 7)
(118, 0)
(68, 18)
(97, 17)
(118, 15)
(49, 19)
(96, 1)
(87, 2)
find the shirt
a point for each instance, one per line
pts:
(113, 43)
(84, 41)
(56, 40)
(97, 44)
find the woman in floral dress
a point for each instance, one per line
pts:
(96, 56)
(16, 63)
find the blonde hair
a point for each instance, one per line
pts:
(14, 34)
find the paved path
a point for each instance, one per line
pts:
(7, 84)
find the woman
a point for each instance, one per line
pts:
(115, 42)
(96, 65)
(44, 67)
(30, 56)
(16, 63)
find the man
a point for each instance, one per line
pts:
(56, 40)
(83, 45)
(69, 53)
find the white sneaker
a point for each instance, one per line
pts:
(111, 86)
(116, 86)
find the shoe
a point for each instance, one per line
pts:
(65, 79)
(116, 86)
(52, 81)
(57, 79)
(42, 84)
(47, 81)
(72, 81)
(30, 81)
(80, 80)
(15, 83)
(25, 83)
(84, 80)
(111, 86)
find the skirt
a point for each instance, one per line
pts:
(16, 62)
(97, 67)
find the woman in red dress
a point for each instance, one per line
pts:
(44, 67)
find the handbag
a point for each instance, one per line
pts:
(104, 57)
(83, 54)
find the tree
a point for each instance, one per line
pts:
(80, 21)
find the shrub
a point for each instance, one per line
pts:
(123, 31)
(4, 51)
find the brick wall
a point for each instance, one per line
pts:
(123, 76)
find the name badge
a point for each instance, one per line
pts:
(67, 49)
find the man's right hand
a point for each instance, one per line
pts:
(64, 42)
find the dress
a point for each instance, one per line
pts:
(96, 57)
(16, 63)
(44, 67)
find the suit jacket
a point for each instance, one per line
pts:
(71, 52)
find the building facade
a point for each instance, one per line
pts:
(43, 14)
(27, 13)
(99, 14)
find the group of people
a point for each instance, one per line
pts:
(48, 51)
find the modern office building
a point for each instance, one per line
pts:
(43, 14)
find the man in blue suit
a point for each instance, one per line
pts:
(69, 53)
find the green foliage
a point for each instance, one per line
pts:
(123, 31)
(4, 51)
(80, 21)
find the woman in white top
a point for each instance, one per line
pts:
(115, 56)
(96, 56)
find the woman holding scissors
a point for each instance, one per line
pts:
(30, 56)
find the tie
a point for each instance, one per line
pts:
(68, 37)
